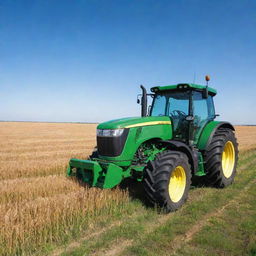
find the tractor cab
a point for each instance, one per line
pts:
(189, 106)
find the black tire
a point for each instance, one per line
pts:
(216, 175)
(157, 176)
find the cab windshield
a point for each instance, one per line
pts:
(176, 106)
(171, 104)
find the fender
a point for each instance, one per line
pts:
(182, 147)
(208, 132)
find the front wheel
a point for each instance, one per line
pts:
(167, 180)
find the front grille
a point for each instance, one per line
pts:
(111, 146)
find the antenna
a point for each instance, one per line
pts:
(194, 78)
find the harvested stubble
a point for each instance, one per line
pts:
(26, 226)
(14, 190)
(39, 149)
(246, 137)
(38, 204)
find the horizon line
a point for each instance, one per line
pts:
(80, 122)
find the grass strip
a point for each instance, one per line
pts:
(159, 242)
(231, 233)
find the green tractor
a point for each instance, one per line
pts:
(163, 149)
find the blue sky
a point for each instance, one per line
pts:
(84, 60)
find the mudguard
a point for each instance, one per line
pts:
(208, 132)
(182, 147)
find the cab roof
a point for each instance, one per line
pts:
(184, 86)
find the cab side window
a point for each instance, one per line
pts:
(211, 110)
(159, 106)
(203, 108)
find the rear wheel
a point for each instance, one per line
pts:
(167, 180)
(221, 158)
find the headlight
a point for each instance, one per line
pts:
(110, 133)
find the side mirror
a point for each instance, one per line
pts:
(149, 109)
(138, 98)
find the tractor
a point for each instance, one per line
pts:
(176, 139)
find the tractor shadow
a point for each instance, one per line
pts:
(135, 190)
(201, 182)
(198, 182)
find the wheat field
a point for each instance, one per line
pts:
(38, 204)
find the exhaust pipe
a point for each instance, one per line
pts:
(143, 101)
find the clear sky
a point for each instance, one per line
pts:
(84, 60)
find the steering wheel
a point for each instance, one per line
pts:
(176, 113)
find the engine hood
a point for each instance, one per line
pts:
(131, 122)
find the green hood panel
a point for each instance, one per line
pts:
(131, 122)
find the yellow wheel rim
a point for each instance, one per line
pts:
(228, 159)
(177, 184)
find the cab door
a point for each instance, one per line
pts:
(176, 105)
(178, 109)
(203, 112)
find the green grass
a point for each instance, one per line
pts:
(230, 232)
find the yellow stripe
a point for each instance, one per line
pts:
(148, 123)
